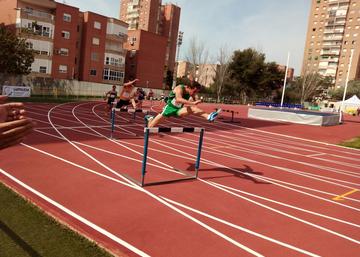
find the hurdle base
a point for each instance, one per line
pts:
(231, 121)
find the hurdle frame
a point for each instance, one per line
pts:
(148, 131)
(113, 115)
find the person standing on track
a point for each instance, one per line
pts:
(110, 98)
(177, 98)
(127, 95)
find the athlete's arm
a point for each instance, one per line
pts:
(180, 100)
(130, 82)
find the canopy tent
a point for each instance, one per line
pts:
(353, 103)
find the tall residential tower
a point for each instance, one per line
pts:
(333, 31)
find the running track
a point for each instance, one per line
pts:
(264, 189)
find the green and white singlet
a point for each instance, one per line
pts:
(172, 108)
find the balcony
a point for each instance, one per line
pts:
(330, 52)
(37, 15)
(119, 38)
(333, 38)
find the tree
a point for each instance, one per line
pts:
(197, 55)
(222, 70)
(353, 89)
(310, 86)
(15, 56)
(251, 76)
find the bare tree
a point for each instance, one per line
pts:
(313, 84)
(197, 55)
(222, 69)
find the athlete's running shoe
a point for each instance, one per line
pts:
(213, 115)
(147, 119)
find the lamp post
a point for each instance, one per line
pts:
(179, 43)
(346, 86)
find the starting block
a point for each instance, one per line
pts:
(148, 131)
(130, 111)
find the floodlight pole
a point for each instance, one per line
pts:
(286, 72)
(346, 85)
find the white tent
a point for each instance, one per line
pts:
(353, 102)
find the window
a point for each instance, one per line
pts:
(97, 25)
(63, 68)
(94, 56)
(64, 51)
(93, 72)
(67, 17)
(96, 41)
(114, 75)
(65, 34)
(42, 69)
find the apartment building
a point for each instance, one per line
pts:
(333, 31)
(145, 58)
(153, 17)
(66, 43)
(169, 28)
(141, 14)
(69, 44)
(34, 20)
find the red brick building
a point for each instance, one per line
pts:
(146, 58)
(66, 43)
(69, 44)
(161, 20)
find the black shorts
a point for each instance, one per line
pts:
(110, 101)
(122, 103)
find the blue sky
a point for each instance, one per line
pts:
(273, 27)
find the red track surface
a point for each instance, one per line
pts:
(264, 189)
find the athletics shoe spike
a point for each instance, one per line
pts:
(213, 115)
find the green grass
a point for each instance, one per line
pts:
(25, 230)
(354, 143)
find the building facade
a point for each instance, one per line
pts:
(145, 58)
(153, 17)
(333, 31)
(69, 44)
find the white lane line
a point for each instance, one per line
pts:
(241, 148)
(207, 161)
(286, 214)
(349, 151)
(154, 196)
(76, 216)
(289, 206)
(242, 229)
(317, 154)
(235, 139)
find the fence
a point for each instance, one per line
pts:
(49, 87)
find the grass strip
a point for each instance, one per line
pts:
(353, 143)
(25, 230)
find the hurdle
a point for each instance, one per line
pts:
(133, 111)
(232, 115)
(148, 131)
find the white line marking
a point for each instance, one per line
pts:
(77, 217)
(242, 229)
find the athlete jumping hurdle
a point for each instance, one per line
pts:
(127, 95)
(179, 97)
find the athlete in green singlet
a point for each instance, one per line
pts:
(179, 97)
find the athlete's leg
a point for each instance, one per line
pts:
(192, 110)
(153, 122)
(197, 111)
